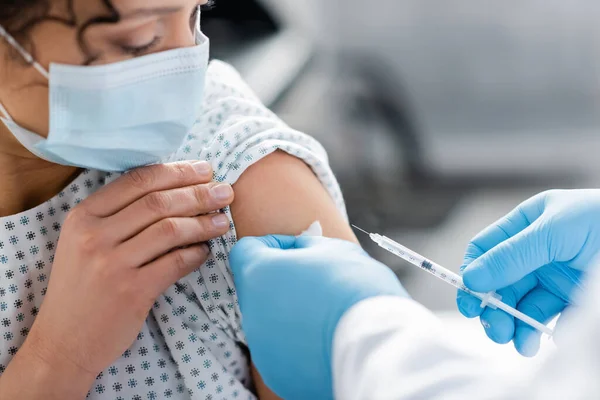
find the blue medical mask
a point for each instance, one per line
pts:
(118, 116)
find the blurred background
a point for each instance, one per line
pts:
(439, 116)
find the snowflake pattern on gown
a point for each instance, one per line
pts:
(191, 345)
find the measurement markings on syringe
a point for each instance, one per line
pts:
(400, 253)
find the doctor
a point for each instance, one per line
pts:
(339, 324)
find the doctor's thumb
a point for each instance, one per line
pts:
(251, 248)
(509, 261)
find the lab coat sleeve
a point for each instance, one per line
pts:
(394, 348)
(572, 371)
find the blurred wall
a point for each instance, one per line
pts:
(305, 16)
(486, 73)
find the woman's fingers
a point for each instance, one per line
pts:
(168, 234)
(181, 202)
(139, 182)
(157, 276)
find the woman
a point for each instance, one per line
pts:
(118, 308)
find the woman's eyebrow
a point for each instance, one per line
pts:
(146, 12)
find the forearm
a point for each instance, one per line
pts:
(33, 375)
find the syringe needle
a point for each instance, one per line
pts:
(362, 230)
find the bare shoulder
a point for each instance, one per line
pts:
(281, 195)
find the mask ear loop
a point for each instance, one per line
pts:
(28, 57)
(197, 29)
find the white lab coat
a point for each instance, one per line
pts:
(393, 348)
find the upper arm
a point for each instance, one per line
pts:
(281, 195)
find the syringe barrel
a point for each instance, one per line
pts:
(488, 299)
(396, 248)
(418, 260)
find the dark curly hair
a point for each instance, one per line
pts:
(18, 17)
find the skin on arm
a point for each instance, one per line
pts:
(281, 195)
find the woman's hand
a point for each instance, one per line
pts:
(118, 251)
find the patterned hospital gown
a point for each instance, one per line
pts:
(189, 347)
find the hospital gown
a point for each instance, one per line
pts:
(191, 345)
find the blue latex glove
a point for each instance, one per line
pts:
(292, 293)
(536, 258)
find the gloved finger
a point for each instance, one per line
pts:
(542, 306)
(468, 305)
(278, 242)
(498, 325)
(566, 283)
(247, 250)
(306, 242)
(505, 228)
(510, 261)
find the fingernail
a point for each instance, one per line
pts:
(222, 192)
(205, 248)
(220, 221)
(202, 167)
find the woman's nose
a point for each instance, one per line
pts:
(181, 32)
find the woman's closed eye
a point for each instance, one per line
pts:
(138, 50)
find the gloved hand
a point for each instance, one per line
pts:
(536, 257)
(292, 293)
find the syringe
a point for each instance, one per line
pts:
(492, 299)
